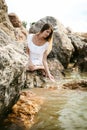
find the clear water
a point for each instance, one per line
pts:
(62, 110)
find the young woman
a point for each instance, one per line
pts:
(39, 46)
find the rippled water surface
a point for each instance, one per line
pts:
(62, 110)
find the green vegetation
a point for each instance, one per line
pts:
(24, 24)
(32, 24)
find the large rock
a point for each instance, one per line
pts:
(82, 59)
(79, 56)
(5, 23)
(20, 30)
(12, 77)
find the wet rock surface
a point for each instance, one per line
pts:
(23, 112)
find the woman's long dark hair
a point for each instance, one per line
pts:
(46, 27)
(50, 37)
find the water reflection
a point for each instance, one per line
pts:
(74, 114)
(11, 126)
(75, 75)
(62, 110)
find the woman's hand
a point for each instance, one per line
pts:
(46, 68)
(51, 78)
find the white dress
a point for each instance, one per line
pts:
(36, 52)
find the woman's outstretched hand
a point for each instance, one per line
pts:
(51, 78)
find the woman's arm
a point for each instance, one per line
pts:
(29, 65)
(28, 52)
(46, 66)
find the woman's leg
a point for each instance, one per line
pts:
(36, 67)
(31, 67)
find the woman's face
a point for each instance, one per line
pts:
(46, 33)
